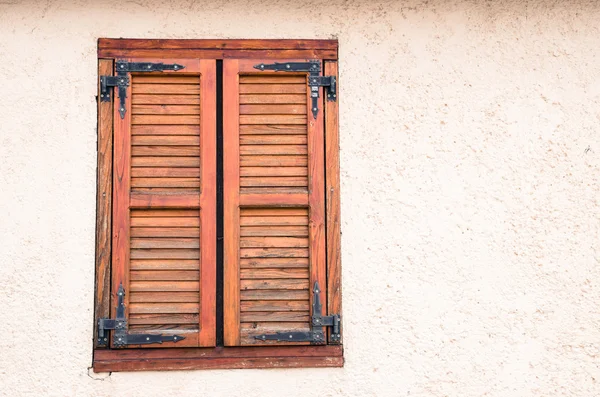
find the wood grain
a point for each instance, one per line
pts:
(103, 201)
(219, 54)
(120, 204)
(231, 196)
(316, 199)
(333, 220)
(208, 203)
(246, 44)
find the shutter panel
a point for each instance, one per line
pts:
(273, 202)
(164, 203)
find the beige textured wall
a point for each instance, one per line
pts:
(470, 147)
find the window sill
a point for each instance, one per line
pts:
(107, 360)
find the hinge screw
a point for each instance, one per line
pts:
(287, 66)
(147, 338)
(175, 67)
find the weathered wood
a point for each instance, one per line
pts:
(176, 221)
(139, 199)
(231, 196)
(273, 140)
(171, 99)
(248, 220)
(218, 54)
(273, 161)
(249, 99)
(216, 363)
(273, 149)
(165, 109)
(163, 213)
(332, 160)
(273, 129)
(175, 89)
(273, 262)
(273, 181)
(272, 89)
(164, 308)
(275, 212)
(282, 119)
(288, 295)
(120, 202)
(164, 171)
(103, 202)
(164, 264)
(274, 316)
(246, 44)
(286, 242)
(165, 243)
(165, 182)
(164, 275)
(163, 297)
(165, 254)
(299, 193)
(299, 231)
(164, 286)
(253, 273)
(169, 151)
(165, 162)
(274, 284)
(162, 79)
(274, 252)
(165, 129)
(316, 199)
(288, 78)
(163, 319)
(164, 232)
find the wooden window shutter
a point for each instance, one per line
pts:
(274, 204)
(164, 202)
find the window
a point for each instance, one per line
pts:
(218, 241)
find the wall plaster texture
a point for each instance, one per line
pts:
(470, 146)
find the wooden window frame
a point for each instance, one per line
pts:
(106, 359)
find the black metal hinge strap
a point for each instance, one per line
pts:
(122, 79)
(316, 335)
(121, 337)
(314, 79)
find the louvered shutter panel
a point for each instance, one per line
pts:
(164, 203)
(273, 202)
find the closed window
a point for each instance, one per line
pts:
(218, 205)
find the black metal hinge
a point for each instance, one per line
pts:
(121, 337)
(122, 79)
(315, 335)
(314, 79)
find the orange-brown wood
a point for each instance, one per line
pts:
(231, 198)
(141, 200)
(103, 201)
(121, 191)
(316, 198)
(168, 251)
(332, 159)
(245, 44)
(218, 358)
(279, 161)
(218, 54)
(208, 203)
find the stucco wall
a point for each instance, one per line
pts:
(470, 145)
